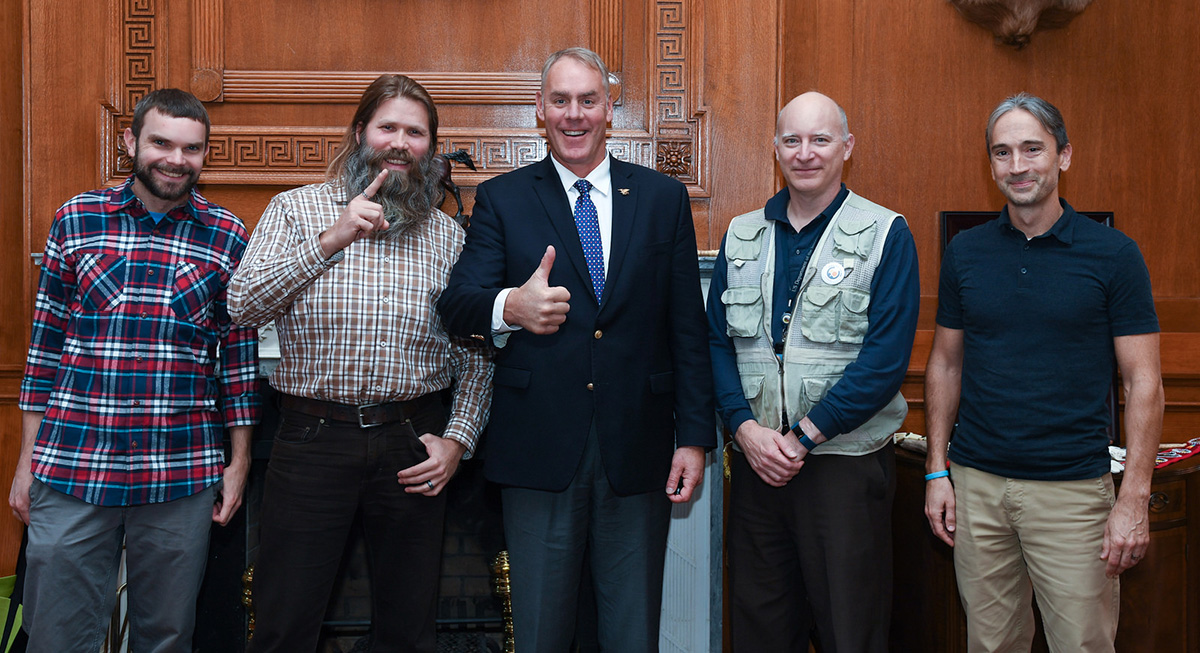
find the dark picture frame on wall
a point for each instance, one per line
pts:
(954, 222)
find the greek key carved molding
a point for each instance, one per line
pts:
(139, 61)
(299, 155)
(677, 126)
(242, 155)
(674, 141)
(136, 69)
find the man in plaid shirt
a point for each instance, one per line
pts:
(351, 270)
(134, 373)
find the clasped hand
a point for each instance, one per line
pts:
(775, 457)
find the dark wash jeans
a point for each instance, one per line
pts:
(321, 474)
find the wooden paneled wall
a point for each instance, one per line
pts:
(918, 82)
(700, 85)
(14, 266)
(281, 78)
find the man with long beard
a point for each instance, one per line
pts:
(350, 270)
(125, 406)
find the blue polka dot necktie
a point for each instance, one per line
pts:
(588, 224)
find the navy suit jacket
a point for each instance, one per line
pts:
(637, 362)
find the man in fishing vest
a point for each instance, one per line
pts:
(812, 312)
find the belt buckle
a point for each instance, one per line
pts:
(360, 409)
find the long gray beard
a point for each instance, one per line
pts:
(407, 199)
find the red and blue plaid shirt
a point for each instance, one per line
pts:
(129, 326)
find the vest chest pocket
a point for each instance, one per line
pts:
(743, 311)
(855, 236)
(834, 314)
(745, 242)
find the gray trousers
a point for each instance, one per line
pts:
(73, 556)
(625, 541)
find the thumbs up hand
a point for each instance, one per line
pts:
(536, 306)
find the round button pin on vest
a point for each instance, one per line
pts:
(833, 273)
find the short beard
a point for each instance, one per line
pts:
(170, 192)
(408, 198)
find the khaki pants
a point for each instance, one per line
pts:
(1016, 538)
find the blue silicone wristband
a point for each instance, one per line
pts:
(930, 477)
(807, 442)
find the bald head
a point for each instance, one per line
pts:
(812, 143)
(814, 105)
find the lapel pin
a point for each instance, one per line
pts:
(623, 191)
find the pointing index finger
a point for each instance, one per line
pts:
(375, 184)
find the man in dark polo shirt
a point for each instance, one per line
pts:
(1034, 310)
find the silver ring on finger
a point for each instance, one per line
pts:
(430, 484)
(364, 195)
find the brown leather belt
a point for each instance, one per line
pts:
(366, 415)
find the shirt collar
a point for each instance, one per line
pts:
(1063, 230)
(776, 207)
(600, 177)
(196, 207)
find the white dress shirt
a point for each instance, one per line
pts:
(601, 193)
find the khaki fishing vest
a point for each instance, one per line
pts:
(828, 322)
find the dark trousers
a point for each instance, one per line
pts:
(322, 473)
(815, 554)
(625, 541)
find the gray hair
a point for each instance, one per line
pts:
(1045, 113)
(582, 55)
(845, 122)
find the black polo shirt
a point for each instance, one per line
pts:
(1038, 319)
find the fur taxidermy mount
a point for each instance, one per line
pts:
(1014, 21)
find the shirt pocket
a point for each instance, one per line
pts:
(195, 287)
(830, 314)
(743, 311)
(101, 279)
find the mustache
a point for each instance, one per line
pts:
(378, 157)
(174, 170)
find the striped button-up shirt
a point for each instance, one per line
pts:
(129, 325)
(361, 326)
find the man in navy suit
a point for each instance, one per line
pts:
(603, 401)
